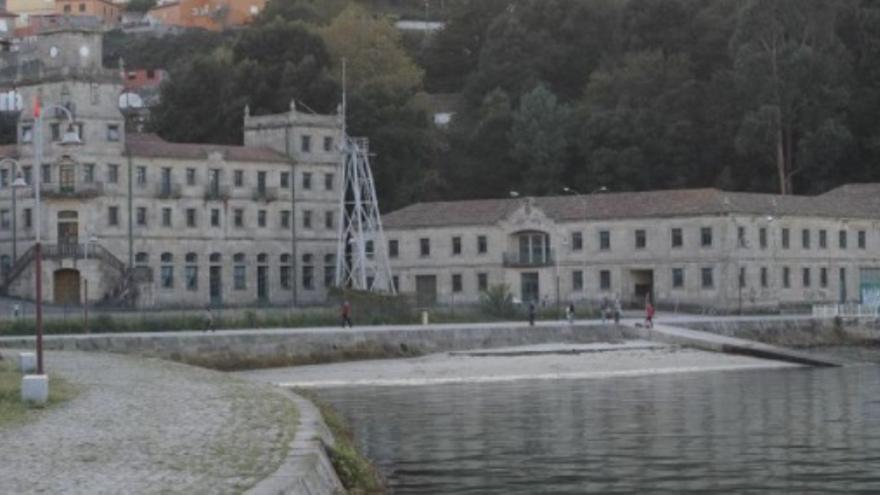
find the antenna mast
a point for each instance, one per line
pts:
(361, 252)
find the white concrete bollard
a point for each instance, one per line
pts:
(27, 362)
(424, 317)
(35, 389)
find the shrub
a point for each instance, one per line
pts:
(497, 301)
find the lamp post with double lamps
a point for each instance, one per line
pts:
(36, 388)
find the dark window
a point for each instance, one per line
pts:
(166, 217)
(678, 277)
(190, 217)
(577, 280)
(604, 240)
(786, 277)
(112, 174)
(762, 237)
(284, 275)
(307, 180)
(261, 182)
(456, 282)
(823, 239)
(112, 132)
(577, 241)
(141, 176)
(329, 270)
(741, 237)
(55, 131)
(742, 277)
(328, 182)
(141, 216)
(190, 176)
(261, 218)
(328, 143)
(786, 241)
(285, 180)
(806, 276)
(863, 239)
(285, 219)
(805, 238)
(238, 178)
(677, 238)
(167, 271)
(113, 215)
(307, 219)
(424, 247)
(392, 248)
(764, 276)
(841, 239)
(641, 239)
(239, 272)
(707, 276)
(604, 280)
(305, 144)
(369, 250)
(482, 244)
(46, 171)
(238, 217)
(88, 173)
(328, 220)
(82, 7)
(482, 281)
(215, 217)
(308, 272)
(706, 237)
(28, 218)
(456, 246)
(823, 277)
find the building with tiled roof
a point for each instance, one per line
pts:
(141, 220)
(690, 248)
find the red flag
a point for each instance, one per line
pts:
(36, 106)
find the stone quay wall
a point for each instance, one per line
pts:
(802, 332)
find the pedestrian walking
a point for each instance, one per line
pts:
(209, 320)
(605, 308)
(649, 315)
(532, 314)
(346, 314)
(617, 311)
(569, 313)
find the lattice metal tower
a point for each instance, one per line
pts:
(361, 255)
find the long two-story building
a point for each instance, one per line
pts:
(698, 248)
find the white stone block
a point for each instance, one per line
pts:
(35, 388)
(27, 362)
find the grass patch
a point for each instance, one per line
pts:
(357, 474)
(12, 410)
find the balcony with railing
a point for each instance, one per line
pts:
(529, 259)
(266, 194)
(168, 191)
(216, 192)
(72, 190)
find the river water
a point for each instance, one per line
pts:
(798, 430)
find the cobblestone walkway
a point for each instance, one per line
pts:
(147, 426)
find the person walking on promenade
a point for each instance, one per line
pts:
(605, 309)
(209, 320)
(617, 310)
(346, 313)
(569, 313)
(649, 314)
(532, 314)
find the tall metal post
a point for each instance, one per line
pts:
(14, 216)
(38, 224)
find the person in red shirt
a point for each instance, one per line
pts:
(346, 314)
(649, 315)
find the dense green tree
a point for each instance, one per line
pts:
(539, 140)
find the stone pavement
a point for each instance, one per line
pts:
(147, 426)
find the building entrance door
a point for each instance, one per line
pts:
(66, 286)
(262, 283)
(426, 290)
(68, 228)
(530, 287)
(643, 285)
(216, 284)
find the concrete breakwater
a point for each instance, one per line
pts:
(792, 332)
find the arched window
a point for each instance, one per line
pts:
(216, 257)
(142, 258)
(262, 258)
(191, 271)
(192, 258)
(167, 271)
(167, 257)
(238, 258)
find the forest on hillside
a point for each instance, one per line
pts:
(758, 95)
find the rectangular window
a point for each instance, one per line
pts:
(261, 182)
(641, 239)
(577, 280)
(328, 143)
(4, 177)
(285, 219)
(190, 217)
(823, 239)
(261, 218)
(328, 220)
(166, 181)
(305, 144)
(604, 240)
(27, 134)
(424, 247)
(214, 182)
(215, 217)
(456, 282)
(239, 277)
(482, 282)
(863, 239)
(285, 277)
(841, 239)
(764, 277)
(707, 277)
(307, 219)
(5, 221)
(677, 238)
(741, 237)
(28, 175)
(141, 176)
(806, 277)
(307, 181)
(786, 241)
(742, 277)
(786, 277)
(328, 182)
(238, 217)
(112, 174)
(190, 176)
(823, 277)
(762, 237)
(706, 236)
(28, 218)
(577, 241)
(369, 250)
(285, 180)
(141, 214)
(166, 217)
(456, 246)
(238, 178)
(308, 275)
(55, 131)
(46, 173)
(167, 277)
(113, 215)
(88, 173)
(112, 132)
(191, 272)
(678, 278)
(604, 280)
(482, 244)
(805, 238)
(392, 248)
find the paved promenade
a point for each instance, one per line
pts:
(147, 426)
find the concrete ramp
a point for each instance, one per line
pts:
(719, 343)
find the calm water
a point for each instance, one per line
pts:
(795, 431)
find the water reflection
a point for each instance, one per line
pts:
(798, 430)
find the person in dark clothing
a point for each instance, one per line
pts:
(346, 314)
(531, 314)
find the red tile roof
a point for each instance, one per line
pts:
(152, 146)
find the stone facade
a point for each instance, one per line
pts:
(684, 249)
(165, 224)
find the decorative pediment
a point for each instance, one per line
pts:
(528, 216)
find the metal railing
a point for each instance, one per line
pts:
(265, 194)
(168, 191)
(77, 190)
(216, 193)
(517, 259)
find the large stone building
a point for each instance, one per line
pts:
(699, 248)
(141, 220)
